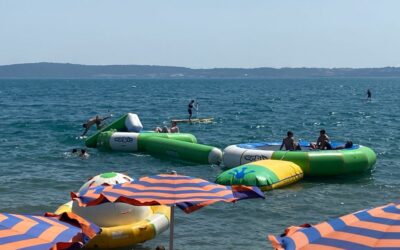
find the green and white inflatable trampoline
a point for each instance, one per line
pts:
(352, 160)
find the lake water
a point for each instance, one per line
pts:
(40, 121)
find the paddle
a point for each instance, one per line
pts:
(197, 108)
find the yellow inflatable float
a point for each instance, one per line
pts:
(122, 224)
(265, 174)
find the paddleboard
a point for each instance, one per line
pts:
(194, 120)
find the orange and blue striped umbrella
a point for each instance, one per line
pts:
(377, 228)
(30, 232)
(186, 192)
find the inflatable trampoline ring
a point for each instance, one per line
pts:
(122, 225)
(352, 160)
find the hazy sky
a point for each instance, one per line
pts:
(202, 33)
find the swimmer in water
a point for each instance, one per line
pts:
(80, 152)
(83, 153)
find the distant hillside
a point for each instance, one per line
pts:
(66, 70)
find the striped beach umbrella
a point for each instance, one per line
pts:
(55, 232)
(186, 192)
(376, 228)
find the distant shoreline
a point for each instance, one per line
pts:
(210, 78)
(78, 71)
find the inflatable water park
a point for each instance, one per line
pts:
(127, 134)
(118, 211)
(260, 164)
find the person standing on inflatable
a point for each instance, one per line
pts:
(369, 94)
(190, 109)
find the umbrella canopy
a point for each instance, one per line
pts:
(377, 228)
(29, 232)
(186, 192)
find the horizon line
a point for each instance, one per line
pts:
(156, 65)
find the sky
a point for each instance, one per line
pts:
(202, 33)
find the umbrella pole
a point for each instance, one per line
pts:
(171, 229)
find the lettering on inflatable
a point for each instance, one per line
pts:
(255, 157)
(119, 235)
(123, 139)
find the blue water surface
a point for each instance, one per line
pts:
(41, 120)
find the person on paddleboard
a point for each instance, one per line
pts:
(190, 109)
(94, 120)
